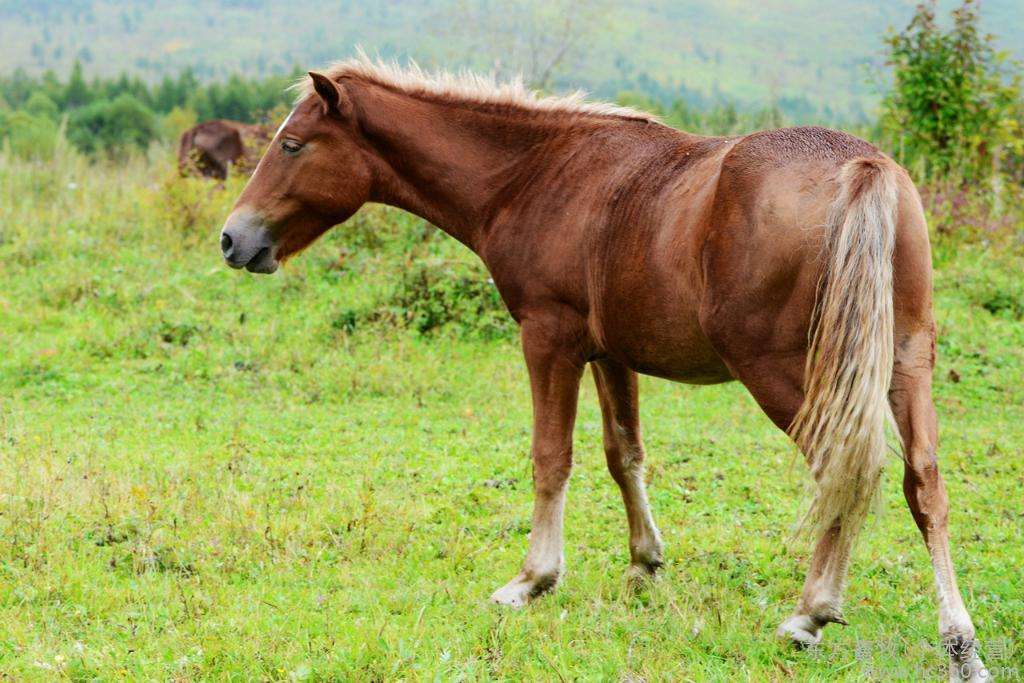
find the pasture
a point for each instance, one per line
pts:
(206, 475)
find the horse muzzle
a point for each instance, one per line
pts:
(246, 243)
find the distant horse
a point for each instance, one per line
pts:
(795, 261)
(211, 147)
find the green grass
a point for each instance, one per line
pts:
(204, 476)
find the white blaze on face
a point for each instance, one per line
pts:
(287, 119)
(276, 135)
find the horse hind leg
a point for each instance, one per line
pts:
(820, 601)
(926, 496)
(775, 381)
(775, 384)
(624, 452)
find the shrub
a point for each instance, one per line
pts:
(176, 122)
(38, 104)
(954, 106)
(1006, 304)
(116, 125)
(29, 136)
(193, 208)
(436, 294)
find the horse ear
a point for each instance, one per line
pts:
(333, 95)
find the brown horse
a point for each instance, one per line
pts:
(795, 261)
(212, 147)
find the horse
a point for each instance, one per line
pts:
(796, 261)
(210, 148)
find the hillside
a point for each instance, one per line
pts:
(818, 59)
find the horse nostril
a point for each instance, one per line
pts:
(225, 243)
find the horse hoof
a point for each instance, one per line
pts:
(511, 595)
(800, 630)
(639, 576)
(964, 663)
(522, 589)
(973, 671)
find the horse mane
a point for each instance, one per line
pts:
(467, 88)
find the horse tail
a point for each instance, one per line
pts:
(841, 425)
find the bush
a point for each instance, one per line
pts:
(176, 122)
(955, 106)
(29, 136)
(193, 208)
(38, 104)
(115, 125)
(435, 294)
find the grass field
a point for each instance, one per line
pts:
(206, 475)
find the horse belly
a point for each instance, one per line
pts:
(655, 331)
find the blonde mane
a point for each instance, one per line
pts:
(466, 87)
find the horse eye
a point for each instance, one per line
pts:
(290, 146)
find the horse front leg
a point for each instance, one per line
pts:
(624, 452)
(555, 374)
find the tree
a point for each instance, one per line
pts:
(77, 92)
(954, 105)
(167, 96)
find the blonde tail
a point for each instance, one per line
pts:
(841, 426)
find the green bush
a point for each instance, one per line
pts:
(114, 125)
(29, 136)
(440, 294)
(192, 208)
(955, 104)
(176, 122)
(39, 104)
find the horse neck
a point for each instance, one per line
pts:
(445, 162)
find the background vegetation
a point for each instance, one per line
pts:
(118, 115)
(811, 56)
(322, 475)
